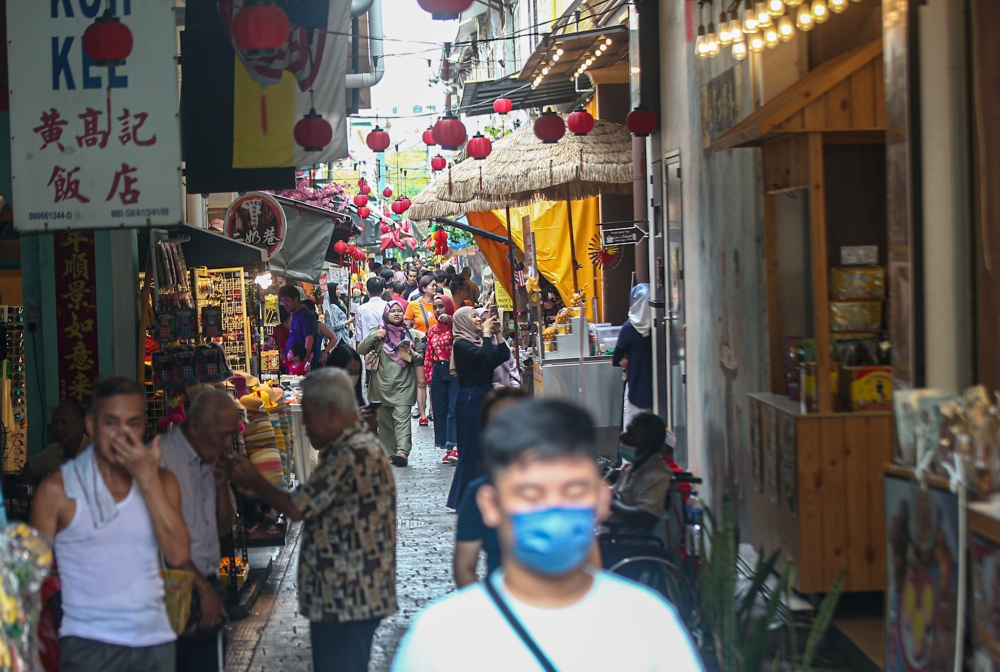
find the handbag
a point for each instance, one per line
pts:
(371, 360)
(518, 628)
(178, 585)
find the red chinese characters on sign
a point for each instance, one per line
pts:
(76, 313)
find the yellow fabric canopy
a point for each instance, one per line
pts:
(553, 252)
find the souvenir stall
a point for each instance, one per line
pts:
(819, 437)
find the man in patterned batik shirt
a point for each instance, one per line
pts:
(347, 558)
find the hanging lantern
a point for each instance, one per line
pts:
(450, 132)
(444, 10)
(340, 247)
(549, 127)
(406, 203)
(260, 27)
(362, 182)
(397, 207)
(428, 137)
(387, 192)
(377, 140)
(479, 146)
(641, 122)
(360, 200)
(107, 41)
(438, 163)
(313, 132)
(441, 237)
(384, 228)
(364, 211)
(366, 190)
(580, 122)
(502, 105)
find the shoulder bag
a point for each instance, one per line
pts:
(518, 628)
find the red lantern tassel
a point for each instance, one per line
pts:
(480, 178)
(580, 174)
(263, 111)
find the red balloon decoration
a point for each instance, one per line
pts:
(387, 192)
(580, 122)
(364, 211)
(438, 163)
(449, 132)
(340, 247)
(479, 146)
(641, 122)
(428, 136)
(107, 41)
(444, 10)
(313, 132)
(260, 27)
(360, 200)
(550, 127)
(502, 105)
(377, 140)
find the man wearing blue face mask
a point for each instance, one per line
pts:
(641, 491)
(546, 608)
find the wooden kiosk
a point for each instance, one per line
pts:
(822, 139)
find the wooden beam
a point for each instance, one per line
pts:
(775, 338)
(820, 272)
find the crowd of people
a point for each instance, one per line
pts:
(526, 487)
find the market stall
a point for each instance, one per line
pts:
(823, 431)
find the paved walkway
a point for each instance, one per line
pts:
(275, 637)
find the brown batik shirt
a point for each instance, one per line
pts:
(347, 558)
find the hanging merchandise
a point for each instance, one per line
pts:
(26, 558)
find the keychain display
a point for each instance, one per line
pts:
(190, 365)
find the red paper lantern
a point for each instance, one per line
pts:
(107, 41)
(449, 132)
(438, 163)
(362, 255)
(406, 203)
(377, 140)
(340, 247)
(444, 10)
(362, 182)
(313, 132)
(441, 237)
(384, 228)
(360, 200)
(502, 105)
(641, 122)
(397, 206)
(387, 213)
(479, 147)
(550, 127)
(580, 122)
(366, 190)
(364, 211)
(260, 27)
(387, 192)
(428, 136)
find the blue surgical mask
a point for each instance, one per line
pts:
(553, 541)
(627, 452)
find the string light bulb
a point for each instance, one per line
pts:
(793, 3)
(771, 37)
(739, 51)
(749, 18)
(786, 29)
(837, 6)
(711, 40)
(735, 28)
(700, 48)
(763, 18)
(756, 43)
(819, 11)
(775, 7)
(608, 42)
(725, 39)
(804, 19)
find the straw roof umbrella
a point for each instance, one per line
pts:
(427, 204)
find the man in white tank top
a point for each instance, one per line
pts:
(112, 511)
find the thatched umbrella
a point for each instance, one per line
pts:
(428, 205)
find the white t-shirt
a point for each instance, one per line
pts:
(618, 625)
(368, 317)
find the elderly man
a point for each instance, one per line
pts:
(347, 561)
(198, 453)
(69, 430)
(474, 289)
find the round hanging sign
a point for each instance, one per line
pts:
(257, 219)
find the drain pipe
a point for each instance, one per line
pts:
(365, 80)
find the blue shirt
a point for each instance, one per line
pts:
(471, 527)
(304, 324)
(639, 374)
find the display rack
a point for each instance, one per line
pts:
(13, 393)
(226, 289)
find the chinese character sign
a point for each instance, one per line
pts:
(76, 313)
(257, 219)
(93, 147)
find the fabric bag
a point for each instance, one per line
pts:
(178, 585)
(371, 360)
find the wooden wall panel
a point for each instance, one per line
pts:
(838, 105)
(863, 97)
(857, 501)
(879, 454)
(879, 74)
(815, 114)
(809, 568)
(833, 495)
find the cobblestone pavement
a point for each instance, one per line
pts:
(275, 637)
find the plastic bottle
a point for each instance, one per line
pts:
(694, 512)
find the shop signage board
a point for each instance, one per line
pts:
(630, 236)
(93, 147)
(504, 302)
(76, 313)
(257, 219)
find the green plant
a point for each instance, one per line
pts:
(733, 628)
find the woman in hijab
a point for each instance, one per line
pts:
(474, 356)
(444, 386)
(634, 353)
(505, 375)
(394, 381)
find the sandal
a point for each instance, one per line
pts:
(398, 460)
(423, 422)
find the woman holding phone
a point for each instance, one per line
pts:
(392, 362)
(444, 386)
(474, 355)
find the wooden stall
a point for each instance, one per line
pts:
(818, 481)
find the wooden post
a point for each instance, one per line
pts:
(820, 270)
(513, 293)
(572, 239)
(772, 283)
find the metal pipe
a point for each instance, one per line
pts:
(513, 294)
(366, 80)
(488, 235)
(359, 7)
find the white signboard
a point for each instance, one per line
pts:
(93, 147)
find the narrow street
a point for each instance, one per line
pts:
(275, 637)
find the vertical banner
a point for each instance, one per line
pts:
(76, 313)
(93, 147)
